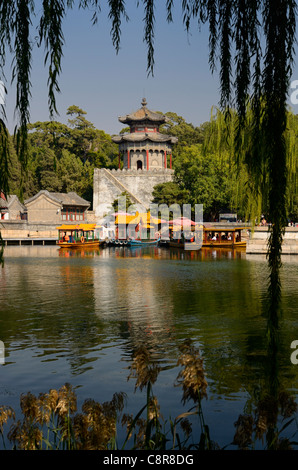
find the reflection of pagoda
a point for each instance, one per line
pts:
(144, 147)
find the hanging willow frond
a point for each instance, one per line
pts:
(149, 20)
(22, 71)
(50, 31)
(117, 10)
(7, 13)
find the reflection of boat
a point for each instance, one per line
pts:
(88, 252)
(223, 237)
(143, 242)
(185, 244)
(78, 236)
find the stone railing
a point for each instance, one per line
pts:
(143, 172)
(258, 241)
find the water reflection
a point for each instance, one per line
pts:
(130, 295)
(78, 316)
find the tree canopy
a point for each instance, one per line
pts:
(208, 170)
(61, 157)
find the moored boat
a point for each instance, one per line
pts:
(213, 237)
(134, 242)
(223, 237)
(184, 244)
(78, 236)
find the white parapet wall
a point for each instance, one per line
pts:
(258, 241)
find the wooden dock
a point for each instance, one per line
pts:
(29, 241)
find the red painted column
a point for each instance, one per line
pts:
(147, 154)
(128, 159)
(119, 160)
(165, 156)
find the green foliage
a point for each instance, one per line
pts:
(46, 170)
(62, 157)
(187, 133)
(169, 193)
(128, 202)
(217, 172)
(205, 178)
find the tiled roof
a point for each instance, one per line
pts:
(143, 114)
(3, 203)
(141, 137)
(71, 199)
(14, 198)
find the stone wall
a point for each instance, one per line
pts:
(258, 241)
(21, 230)
(109, 184)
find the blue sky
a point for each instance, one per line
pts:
(107, 85)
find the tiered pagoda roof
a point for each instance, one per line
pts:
(143, 114)
(142, 136)
(143, 118)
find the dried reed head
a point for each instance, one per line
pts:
(186, 426)
(92, 429)
(192, 377)
(67, 401)
(244, 431)
(265, 418)
(6, 413)
(95, 427)
(26, 435)
(30, 406)
(287, 403)
(143, 368)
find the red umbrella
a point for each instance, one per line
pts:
(182, 221)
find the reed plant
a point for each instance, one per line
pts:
(153, 432)
(270, 417)
(51, 421)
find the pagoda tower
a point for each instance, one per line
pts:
(144, 147)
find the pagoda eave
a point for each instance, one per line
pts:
(147, 118)
(138, 137)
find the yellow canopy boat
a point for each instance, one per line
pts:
(77, 236)
(214, 237)
(223, 237)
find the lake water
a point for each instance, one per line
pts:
(78, 317)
